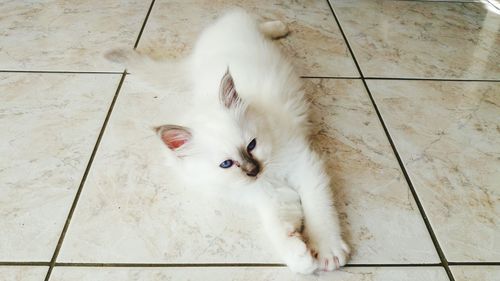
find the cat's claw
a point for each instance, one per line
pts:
(331, 256)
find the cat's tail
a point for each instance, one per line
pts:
(274, 29)
(155, 74)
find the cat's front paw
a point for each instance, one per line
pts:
(298, 256)
(331, 254)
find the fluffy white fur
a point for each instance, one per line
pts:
(292, 191)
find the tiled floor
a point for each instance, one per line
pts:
(405, 102)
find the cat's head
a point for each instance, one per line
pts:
(228, 143)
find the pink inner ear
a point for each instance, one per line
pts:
(228, 95)
(174, 138)
(173, 143)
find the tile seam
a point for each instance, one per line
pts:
(442, 257)
(84, 178)
(136, 44)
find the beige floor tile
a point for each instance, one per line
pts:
(315, 44)
(448, 136)
(417, 39)
(67, 35)
(476, 273)
(373, 198)
(22, 273)
(49, 124)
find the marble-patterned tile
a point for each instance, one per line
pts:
(448, 136)
(476, 273)
(131, 211)
(245, 273)
(23, 273)
(67, 35)
(417, 39)
(48, 126)
(371, 192)
(315, 44)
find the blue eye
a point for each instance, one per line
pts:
(226, 164)
(251, 145)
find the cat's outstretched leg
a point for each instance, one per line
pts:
(282, 217)
(322, 229)
(274, 29)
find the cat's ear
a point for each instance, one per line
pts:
(227, 92)
(173, 136)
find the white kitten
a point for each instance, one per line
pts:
(246, 136)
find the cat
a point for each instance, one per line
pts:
(246, 136)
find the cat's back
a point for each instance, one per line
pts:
(261, 74)
(234, 35)
(235, 42)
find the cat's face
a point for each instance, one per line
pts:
(232, 145)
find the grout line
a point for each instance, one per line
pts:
(393, 265)
(170, 264)
(482, 263)
(24, 263)
(420, 207)
(328, 77)
(69, 264)
(303, 76)
(80, 264)
(401, 79)
(442, 257)
(84, 178)
(144, 24)
(443, 1)
(345, 39)
(431, 79)
(59, 71)
(494, 5)
(85, 264)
